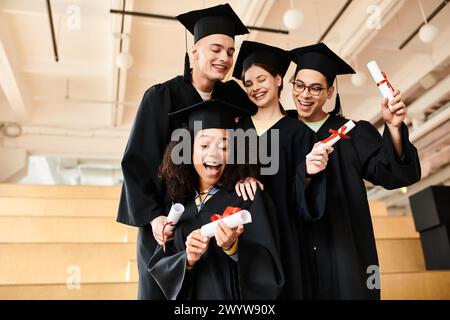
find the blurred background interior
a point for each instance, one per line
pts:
(72, 73)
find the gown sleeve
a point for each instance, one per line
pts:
(141, 200)
(259, 266)
(310, 200)
(169, 272)
(169, 269)
(380, 163)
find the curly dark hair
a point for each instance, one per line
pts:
(182, 180)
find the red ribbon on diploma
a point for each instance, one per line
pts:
(335, 133)
(227, 212)
(385, 80)
(167, 223)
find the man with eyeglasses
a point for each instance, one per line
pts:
(341, 245)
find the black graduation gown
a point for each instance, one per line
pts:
(143, 197)
(343, 239)
(256, 275)
(294, 204)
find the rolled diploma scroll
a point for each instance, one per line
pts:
(232, 221)
(174, 215)
(378, 77)
(349, 125)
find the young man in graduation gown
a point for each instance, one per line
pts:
(342, 243)
(234, 263)
(142, 198)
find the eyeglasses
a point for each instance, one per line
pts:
(313, 90)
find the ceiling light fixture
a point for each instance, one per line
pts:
(11, 129)
(428, 32)
(124, 60)
(359, 78)
(293, 18)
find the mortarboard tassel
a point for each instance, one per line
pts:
(187, 65)
(337, 106)
(187, 69)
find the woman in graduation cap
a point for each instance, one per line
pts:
(143, 199)
(238, 263)
(342, 243)
(262, 68)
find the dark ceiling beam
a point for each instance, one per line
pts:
(338, 16)
(163, 17)
(431, 16)
(122, 24)
(52, 30)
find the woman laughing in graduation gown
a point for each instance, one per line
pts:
(238, 263)
(262, 68)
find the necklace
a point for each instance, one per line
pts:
(205, 191)
(201, 201)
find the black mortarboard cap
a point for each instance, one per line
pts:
(219, 19)
(320, 58)
(212, 114)
(258, 53)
